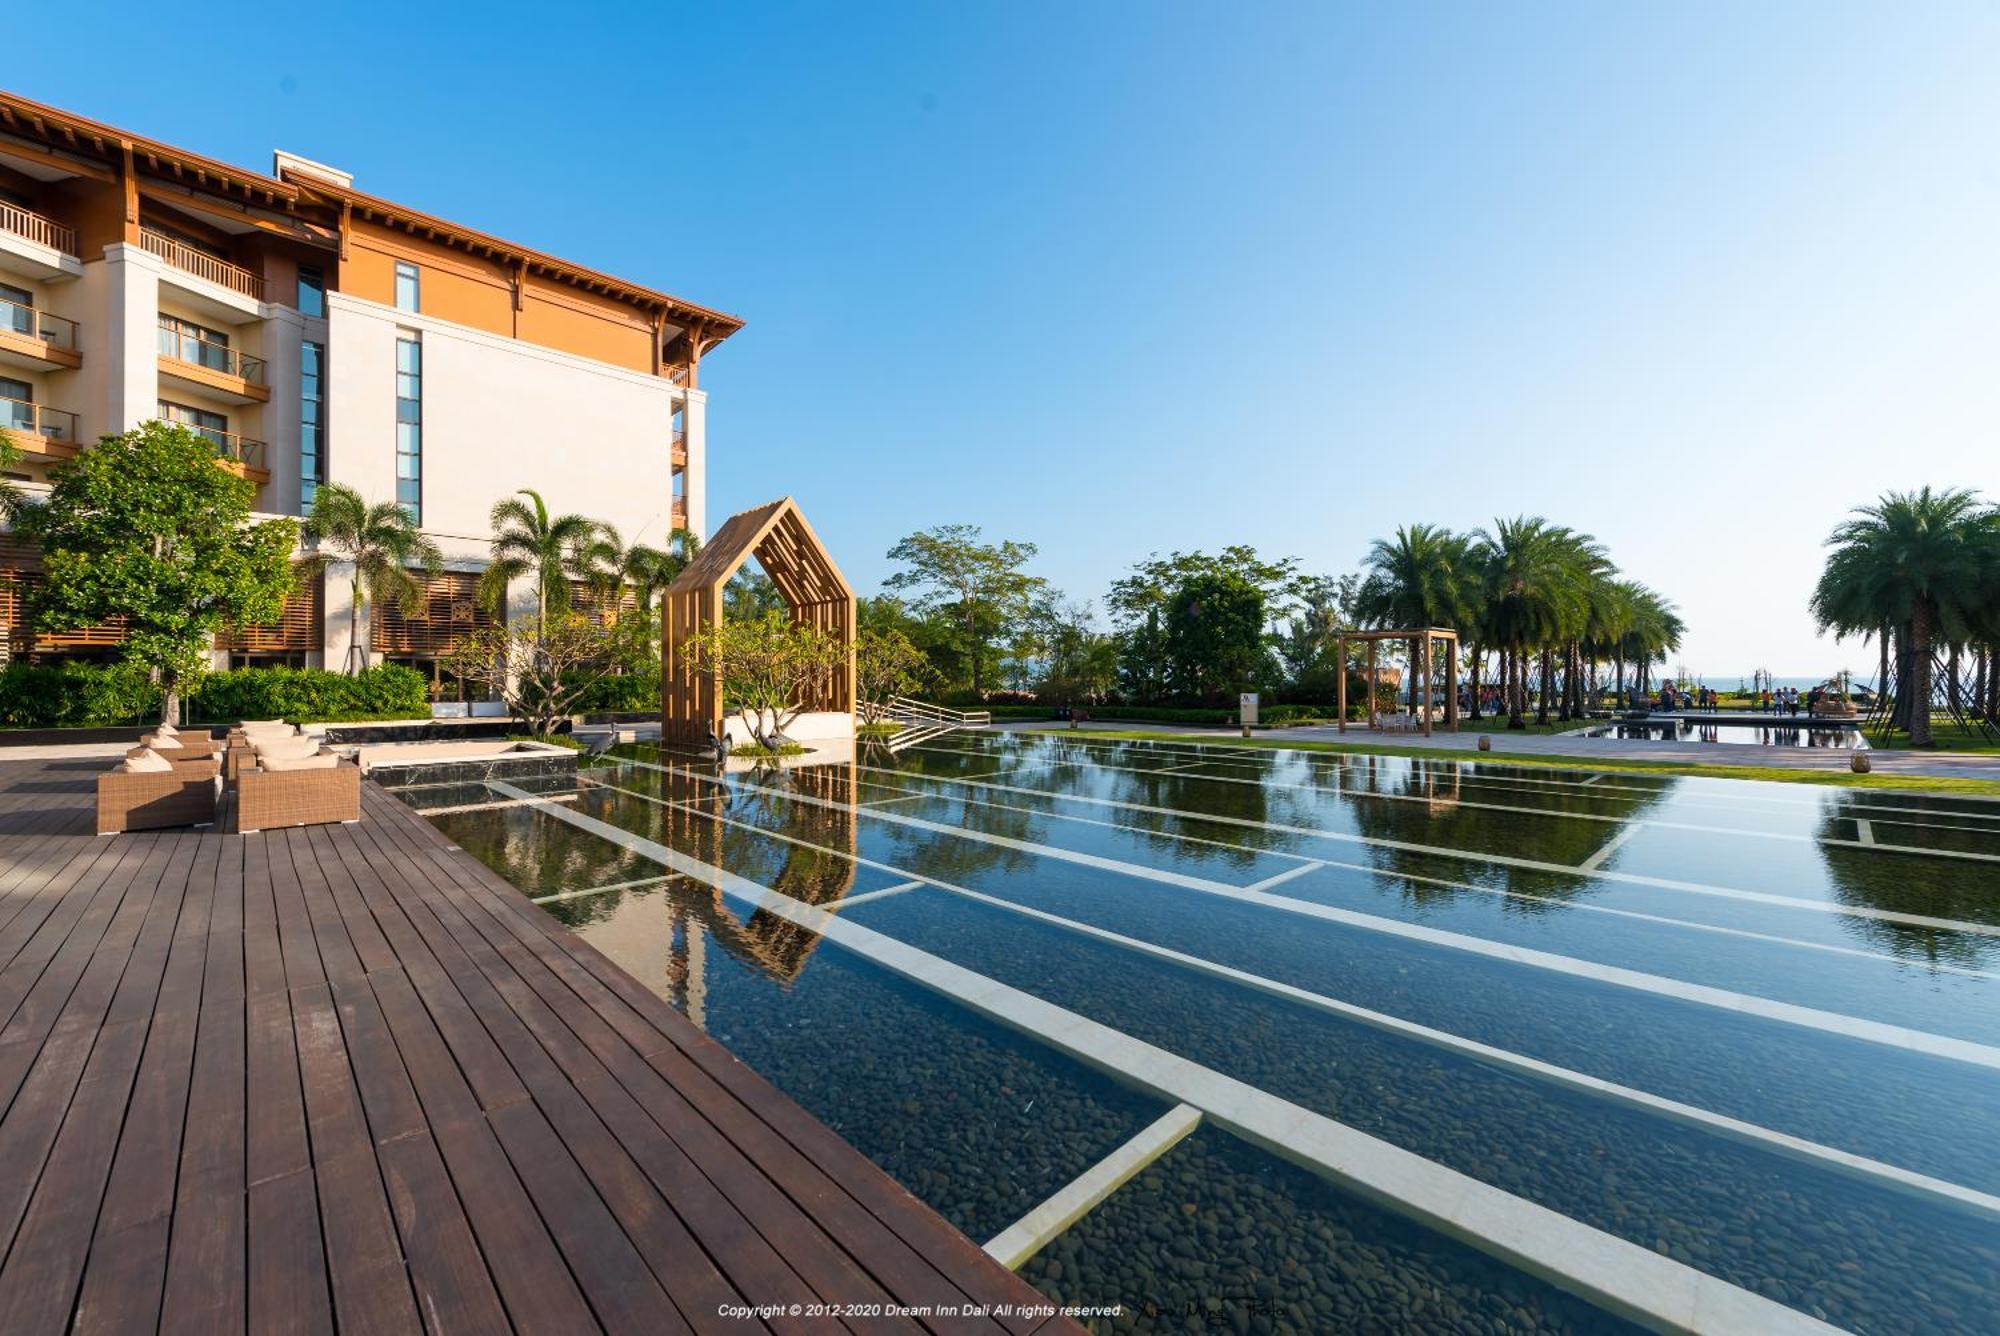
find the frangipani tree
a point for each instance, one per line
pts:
(887, 664)
(768, 668)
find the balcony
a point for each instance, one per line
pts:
(43, 433)
(192, 362)
(37, 247)
(238, 454)
(34, 339)
(230, 277)
(679, 450)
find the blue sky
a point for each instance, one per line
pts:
(1116, 278)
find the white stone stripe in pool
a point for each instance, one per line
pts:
(1561, 902)
(874, 801)
(865, 896)
(1956, 1194)
(1866, 832)
(1625, 1279)
(1032, 1232)
(1280, 878)
(589, 890)
(1790, 1013)
(1608, 848)
(1544, 813)
(1467, 855)
(494, 806)
(1592, 780)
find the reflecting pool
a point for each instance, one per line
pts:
(1742, 1035)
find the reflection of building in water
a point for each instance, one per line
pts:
(811, 875)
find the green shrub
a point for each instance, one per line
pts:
(76, 695)
(312, 695)
(626, 691)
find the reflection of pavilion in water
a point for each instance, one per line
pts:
(1441, 784)
(773, 944)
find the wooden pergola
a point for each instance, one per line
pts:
(814, 591)
(1422, 641)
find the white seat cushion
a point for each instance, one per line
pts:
(287, 747)
(168, 729)
(146, 762)
(318, 761)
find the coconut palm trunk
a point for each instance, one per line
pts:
(1923, 614)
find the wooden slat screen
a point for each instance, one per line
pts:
(301, 626)
(21, 571)
(450, 612)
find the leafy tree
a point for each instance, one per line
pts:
(768, 668)
(541, 670)
(146, 528)
(10, 495)
(1309, 644)
(980, 588)
(552, 549)
(887, 664)
(1079, 663)
(1917, 566)
(1214, 635)
(751, 596)
(1153, 582)
(381, 542)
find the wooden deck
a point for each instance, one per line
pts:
(346, 1078)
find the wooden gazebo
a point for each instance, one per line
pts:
(691, 709)
(1422, 641)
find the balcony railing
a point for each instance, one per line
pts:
(40, 230)
(228, 445)
(21, 418)
(54, 330)
(209, 355)
(201, 264)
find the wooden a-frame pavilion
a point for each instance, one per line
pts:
(815, 592)
(1422, 641)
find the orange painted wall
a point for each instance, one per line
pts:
(468, 290)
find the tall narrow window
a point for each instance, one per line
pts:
(406, 287)
(312, 423)
(410, 427)
(312, 290)
(186, 341)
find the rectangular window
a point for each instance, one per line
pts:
(17, 309)
(410, 426)
(17, 405)
(214, 426)
(312, 290)
(312, 423)
(406, 287)
(186, 341)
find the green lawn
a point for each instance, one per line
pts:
(1945, 735)
(1845, 779)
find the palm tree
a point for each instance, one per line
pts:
(381, 542)
(528, 541)
(1917, 566)
(1425, 576)
(649, 570)
(1536, 575)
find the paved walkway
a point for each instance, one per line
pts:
(1960, 765)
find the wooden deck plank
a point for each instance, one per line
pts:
(643, 1021)
(346, 1078)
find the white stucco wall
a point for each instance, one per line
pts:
(498, 415)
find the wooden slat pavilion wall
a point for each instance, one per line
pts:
(807, 579)
(346, 1078)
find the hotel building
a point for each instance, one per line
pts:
(319, 334)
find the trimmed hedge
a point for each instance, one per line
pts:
(76, 695)
(302, 695)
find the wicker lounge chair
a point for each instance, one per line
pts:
(183, 795)
(269, 799)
